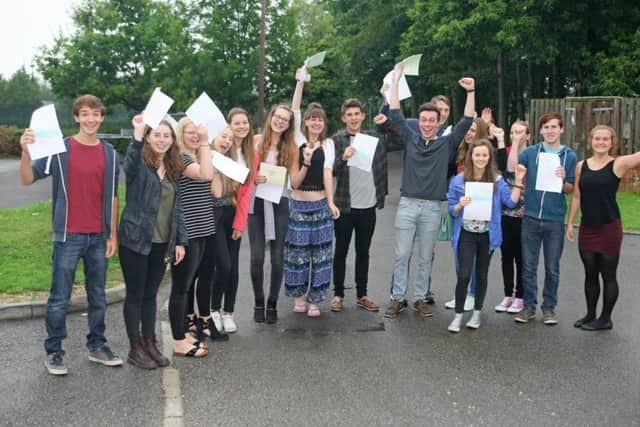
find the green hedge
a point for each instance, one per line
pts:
(10, 141)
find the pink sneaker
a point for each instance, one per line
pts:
(504, 305)
(516, 306)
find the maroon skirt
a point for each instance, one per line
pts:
(605, 239)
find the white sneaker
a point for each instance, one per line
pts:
(228, 323)
(516, 306)
(215, 315)
(454, 326)
(504, 305)
(474, 322)
(450, 304)
(469, 303)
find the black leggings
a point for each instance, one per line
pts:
(225, 281)
(276, 249)
(142, 277)
(511, 249)
(472, 246)
(595, 265)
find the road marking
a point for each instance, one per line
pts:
(173, 410)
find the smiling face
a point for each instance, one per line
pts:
(428, 123)
(223, 141)
(89, 120)
(280, 120)
(551, 131)
(190, 137)
(353, 118)
(160, 139)
(444, 111)
(240, 127)
(602, 142)
(471, 133)
(315, 126)
(480, 157)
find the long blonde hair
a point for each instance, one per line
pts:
(287, 144)
(246, 147)
(229, 186)
(182, 124)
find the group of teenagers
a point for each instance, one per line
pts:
(181, 211)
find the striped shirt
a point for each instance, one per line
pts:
(197, 205)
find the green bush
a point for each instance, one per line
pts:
(10, 141)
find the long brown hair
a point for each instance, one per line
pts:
(286, 145)
(246, 147)
(490, 173)
(314, 110)
(172, 160)
(464, 147)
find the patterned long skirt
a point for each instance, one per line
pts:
(308, 250)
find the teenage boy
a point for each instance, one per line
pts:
(85, 208)
(423, 187)
(358, 193)
(543, 222)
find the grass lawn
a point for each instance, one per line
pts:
(25, 252)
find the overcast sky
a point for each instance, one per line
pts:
(28, 24)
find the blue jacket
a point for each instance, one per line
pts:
(543, 204)
(500, 197)
(143, 201)
(56, 167)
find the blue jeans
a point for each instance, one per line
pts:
(549, 235)
(415, 220)
(91, 248)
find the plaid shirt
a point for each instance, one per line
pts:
(342, 196)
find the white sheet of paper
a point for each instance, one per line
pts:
(481, 194)
(270, 192)
(410, 66)
(403, 87)
(276, 175)
(315, 60)
(365, 146)
(546, 179)
(48, 135)
(157, 107)
(229, 167)
(205, 112)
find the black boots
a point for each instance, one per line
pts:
(151, 347)
(272, 313)
(138, 355)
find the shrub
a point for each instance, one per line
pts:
(10, 141)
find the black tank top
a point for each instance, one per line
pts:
(598, 195)
(314, 179)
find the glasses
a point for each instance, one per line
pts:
(280, 118)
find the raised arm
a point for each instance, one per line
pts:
(26, 171)
(203, 170)
(296, 102)
(623, 163)
(575, 203)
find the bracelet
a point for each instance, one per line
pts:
(518, 186)
(471, 90)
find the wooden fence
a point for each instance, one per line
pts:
(580, 115)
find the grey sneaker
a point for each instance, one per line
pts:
(422, 307)
(105, 356)
(55, 364)
(395, 307)
(525, 315)
(430, 298)
(549, 316)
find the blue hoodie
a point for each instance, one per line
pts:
(543, 204)
(502, 196)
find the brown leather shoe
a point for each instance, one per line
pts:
(366, 303)
(151, 346)
(138, 356)
(422, 307)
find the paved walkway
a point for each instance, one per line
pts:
(355, 368)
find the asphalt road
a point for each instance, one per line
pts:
(356, 368)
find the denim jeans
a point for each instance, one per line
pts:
(549, 235)
(415, 220)
(66, 255)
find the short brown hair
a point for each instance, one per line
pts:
(90, 101)
(428, 106)
(547, 117)
(441, 98)
(351, 103)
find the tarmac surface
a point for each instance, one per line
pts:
(355, 368)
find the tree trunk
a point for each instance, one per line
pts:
(263, 17)
(501, 110)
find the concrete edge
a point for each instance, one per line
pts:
(35, 309)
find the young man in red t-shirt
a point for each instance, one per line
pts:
(85, 211)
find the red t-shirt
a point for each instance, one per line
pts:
(85, 187)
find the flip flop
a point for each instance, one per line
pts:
(313, 312)
(193, 352)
